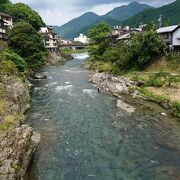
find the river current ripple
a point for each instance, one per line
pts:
(84, 137)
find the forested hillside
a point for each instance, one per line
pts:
(170, 15)
(72, 28)
(26, 48)
(21, 12)
(85, 22)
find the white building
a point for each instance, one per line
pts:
(170, 35)
(7, 19)
(50, 38)
(82, 39)
(6, 22)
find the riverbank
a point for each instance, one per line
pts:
(18, 140)
(154, 84)
(120, 86)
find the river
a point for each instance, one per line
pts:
(84, 136)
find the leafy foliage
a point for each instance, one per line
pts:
(139, 53)
(26, 42)
(99, 42)
(17, 60)
(22, 12)
(170, 15)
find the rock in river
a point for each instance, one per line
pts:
(122, 105)
(40, 76)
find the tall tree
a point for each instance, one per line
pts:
(99, 42)
(27, 43)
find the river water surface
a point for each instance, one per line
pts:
(84, 137)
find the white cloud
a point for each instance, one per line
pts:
(58, 12)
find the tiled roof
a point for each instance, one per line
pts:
(3, 14)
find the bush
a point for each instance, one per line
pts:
(17, 60)
(8, 67)
(176, 108)
(137, 54)
(154, 82)
(26, 42)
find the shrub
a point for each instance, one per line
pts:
(17, 60)
(176, 108)
(8, 67)
(26, 42)
(154, 82)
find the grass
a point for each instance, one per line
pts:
(159, 99)
(68, 51)
(169, 63)
(8, 121)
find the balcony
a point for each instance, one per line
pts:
(2, 31)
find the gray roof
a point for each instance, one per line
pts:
(167, 29)
(3, 14)
(123, 37)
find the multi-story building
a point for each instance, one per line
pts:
(50, 38)
(82, 39)
(5, 23)
(171, 36)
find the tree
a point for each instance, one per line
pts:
(22, 12)
(151, 47)
(26, 42)
(99, 41)
(98, 33)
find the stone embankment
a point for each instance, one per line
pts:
(54, 58)
(114, 85)
(18, 141)
(57, 57)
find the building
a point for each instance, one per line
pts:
(6, 22)
(125, 37)
(82, 39)
(2, 29)
(171, 36)
(8, 19)
(51, 39)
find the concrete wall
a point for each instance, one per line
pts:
(176, 38)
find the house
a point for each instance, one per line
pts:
(124, 37)
(2, 30)
(51, 40)
(82, 39)
(171, 36)
(8, 19)
(6, 22)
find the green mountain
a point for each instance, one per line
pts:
(118, 15)
(72, 28)
(88, 20)
(170, 15)
(124, 12)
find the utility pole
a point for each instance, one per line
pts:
(160, 21)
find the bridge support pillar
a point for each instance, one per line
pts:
(74, 48)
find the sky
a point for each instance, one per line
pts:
(58, 12)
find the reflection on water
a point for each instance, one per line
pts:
(84, 137)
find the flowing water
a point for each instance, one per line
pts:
(84, 137)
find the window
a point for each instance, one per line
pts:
(166, 36)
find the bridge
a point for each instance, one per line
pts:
(73, 45)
